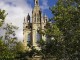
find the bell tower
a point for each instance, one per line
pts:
(33, 25)
(36, 23)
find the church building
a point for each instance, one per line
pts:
(32, 25)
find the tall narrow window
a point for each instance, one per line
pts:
(38, 36)
(29, 38)
(34, 18)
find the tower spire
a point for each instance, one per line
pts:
(36, 2)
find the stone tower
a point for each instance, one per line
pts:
(32, 26)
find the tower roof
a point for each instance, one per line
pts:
(36, 2)
(36, 8)
(28, 17)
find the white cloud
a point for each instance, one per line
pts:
(17, 10)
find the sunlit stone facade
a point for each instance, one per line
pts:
(32, 25)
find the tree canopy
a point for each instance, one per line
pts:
(2, 16)
(65, 29)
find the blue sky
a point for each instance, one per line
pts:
(49, 3)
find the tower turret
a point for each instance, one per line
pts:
(28, 18)
(36, 13)
(36, 2)
(45, 18)
(24, 23)
(33, 25)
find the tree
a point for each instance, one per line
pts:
(20, 53)
(20, 47)
(10, 36)
(53, 45)
(6, 52)
(2, 16)
(65, 30)
(7, 46)
(67, 19)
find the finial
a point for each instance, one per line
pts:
(45, 18)
(28, 17)
(24, 19)
(28, 13)
(36, 2)
(45, 15)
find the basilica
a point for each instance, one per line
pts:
(32, 25)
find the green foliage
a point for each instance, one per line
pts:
(7, 46)
(22, 54)
(11, 40)
(67, 20)
(5, 53)
(19, 47)
(65, 30)
(10, 35)
(2, 16)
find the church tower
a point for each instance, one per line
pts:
(32, 27)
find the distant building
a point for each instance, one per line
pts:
(32, 25)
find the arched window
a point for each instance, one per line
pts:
(29, 38)
(38, 18)
(38, 36)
